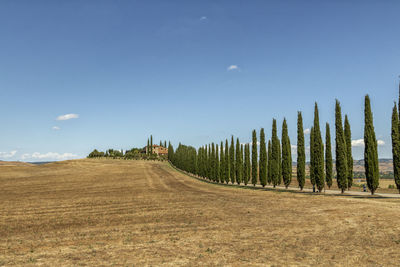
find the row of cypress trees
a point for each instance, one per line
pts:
(232, 163)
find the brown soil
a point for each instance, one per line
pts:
(115, 212)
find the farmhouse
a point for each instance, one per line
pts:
(159, 150)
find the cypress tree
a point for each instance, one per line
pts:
(286, 155)
(269, 177)
(254, 160)
(170, 152)
(151, 144)
(341, 159)
(349, 156)
(328, 157)
(371, 149)
(275, 156)
(227, 164)
(165, 143)
(232, 161)
(217, 166)
(148, 146)
(263, 159)
(160, 143)
(246, 165)
(239, 170)
(213, 163)
(318, 153)
(396, 146)
(301, 152)
(222, 163)
(242, 162)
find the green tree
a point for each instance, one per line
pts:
(371, 149)
(349, 156)
(269, 161)
(246, 164)
(396, 146)
(227, 162)
(242, 162)
(148, 146)
(254, 160)
(286, 155)
(275, 156)
(263, 159)
(239, 163)
(301, 152)
(341, 159)
(170, 151)
(151, 144)
(318, 153)
(232, 161)
(328, 157)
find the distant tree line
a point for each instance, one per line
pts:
(132, 154)
(272, 163)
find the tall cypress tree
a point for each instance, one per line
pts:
(286, 155)
(371, 149)
(328, 157)
(239, 170)
(349, 156)
(341, 159)
(279, 162)
(263, 159)
(148, 147)
(151, 144)
(227, 164)
(217, 164)
(396, 146)
(254, 160)
(318, 153)
(245, 175)
(222, 163)
(213, 165)
(232, 161)
(269, 161)
(275, 156)
(301, 152)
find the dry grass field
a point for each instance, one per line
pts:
(137, 213)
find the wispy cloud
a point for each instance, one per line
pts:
(360, 142)
(67, 117)
(307, 131)
(49, 156)
(6, 155)
(203, 18)
(233, 67)
(56, 128)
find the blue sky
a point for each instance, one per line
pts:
(188, 71)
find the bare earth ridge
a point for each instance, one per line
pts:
(116, 212)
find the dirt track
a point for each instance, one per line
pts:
(105, 212)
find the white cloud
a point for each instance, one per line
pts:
(233, 67)
(307, 131)
(67, 117)
(56, 128)
(360, 142)
(49, 156)
(203, 18)
(7, 155)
